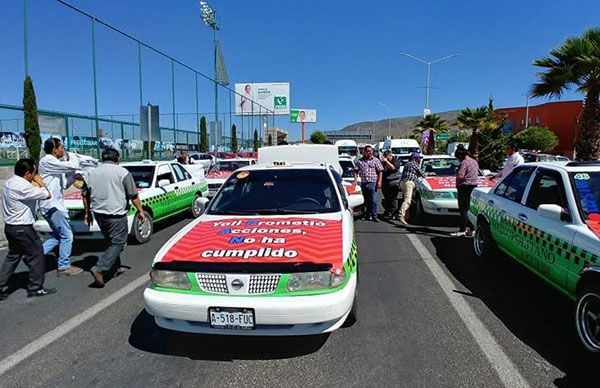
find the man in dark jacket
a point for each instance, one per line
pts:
(390, 184)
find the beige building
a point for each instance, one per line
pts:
(278, 136)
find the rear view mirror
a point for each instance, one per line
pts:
(164, 182)
(553, 212)
(355, 200)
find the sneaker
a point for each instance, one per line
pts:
(375, 219)
(71, 271)
(459, 234)
(41, 292)
(98, 278)
(402, 220)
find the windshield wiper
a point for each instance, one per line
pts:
(234, 212)
(284, 211)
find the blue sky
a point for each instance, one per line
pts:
(341, 57)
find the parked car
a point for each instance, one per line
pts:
(165, 189)
(204, 159)
(546, 216)
(256, 263)
(222, 170)
(531, 157)
(400, 148)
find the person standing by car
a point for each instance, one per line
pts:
(58, 175)
(390, 184)
(408, 181)
(106, 193)
(514, 159)
(184, 158)
(370, 171)
(466, 182)
(19, 199)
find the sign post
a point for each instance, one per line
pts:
(149, 126)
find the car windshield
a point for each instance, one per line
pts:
(404, 150)
(587, 193)
(142, 175)
(350, 150)
(441, 166)
(347, 168)
(289, 191)
(229, 165)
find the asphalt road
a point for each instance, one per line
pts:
(409, 333)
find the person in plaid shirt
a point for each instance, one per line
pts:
(408, 181)
(370, 171)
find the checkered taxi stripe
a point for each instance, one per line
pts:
(561, 248)
(162, 199)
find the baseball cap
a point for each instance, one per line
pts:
(416, 155)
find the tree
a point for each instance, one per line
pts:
(434, 124)
(475, 120)
(270, 140)
(256, 143)
(32, 126)
(536, 138)
(576, 63)
(203, 135)
(318, 137)
(492, 148)
(234, 140)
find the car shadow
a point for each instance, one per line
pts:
(532, 310)
(146, 336)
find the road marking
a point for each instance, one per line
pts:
(504, 367)
(58, 332)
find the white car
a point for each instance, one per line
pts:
(221, 170)
(546, 216)
(256, 263)
(165, 189)
(204, 159)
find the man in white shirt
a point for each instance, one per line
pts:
(19, 198)
(58, 175)
(514, 159)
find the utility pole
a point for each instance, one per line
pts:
(209, 17)
(389, 107)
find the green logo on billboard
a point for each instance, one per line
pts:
(280, 102)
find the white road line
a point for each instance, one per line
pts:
(504, 367)
(56, 333)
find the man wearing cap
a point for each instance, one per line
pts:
(370, 171)
(408, 182)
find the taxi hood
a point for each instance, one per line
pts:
(218, 174)
(231, 242)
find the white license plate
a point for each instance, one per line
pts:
(231, 318)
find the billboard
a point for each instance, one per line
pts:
(268, 97)
(303, 116)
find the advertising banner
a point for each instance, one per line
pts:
(262, 98)
(261, 240)
(303, 116)
(52, 125)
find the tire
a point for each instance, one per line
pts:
(197, 207)
(587, 317)
(484, 244)
(142, 233)
(416, 211)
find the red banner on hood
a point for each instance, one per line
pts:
(261, 240)
(218, 174)
(449, 182)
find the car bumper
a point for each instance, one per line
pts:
(79, 228)
(441, 207)
(293, 315)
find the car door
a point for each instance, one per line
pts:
(546, 239)
(165, 204)
(185, 189)
(504, 205)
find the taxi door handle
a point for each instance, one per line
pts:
(522, 217)
(176, 187)
(491, 202)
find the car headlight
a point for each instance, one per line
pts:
(307, 281)
(442, 194)
(170, 279)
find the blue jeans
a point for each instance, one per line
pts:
(62, 236)
(369, 191)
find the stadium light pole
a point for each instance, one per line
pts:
(209, 17)
(389, 107)
(428, 86)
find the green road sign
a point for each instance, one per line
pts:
(442, 136)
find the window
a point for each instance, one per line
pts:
(142, 175)
(347, 168)
(537, 120)
(547, 189)
(513, 186)
(587, 193)
(181, 173)
(164, 172)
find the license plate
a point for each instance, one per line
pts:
(231, 318)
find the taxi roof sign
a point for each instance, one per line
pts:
(301, 154)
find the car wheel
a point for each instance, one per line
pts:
(417, 213)
(483, 243)
(198, 207)
(141, 233)
(587, 317)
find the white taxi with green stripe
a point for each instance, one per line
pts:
(165, 188)
(547, 217)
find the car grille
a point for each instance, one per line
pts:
(214, 186)
(212, 283)
(263, 284)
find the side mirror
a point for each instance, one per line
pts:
(553, 212)
(355, 200)
(164, 182)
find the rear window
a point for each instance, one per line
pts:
(440, 167)
(290, 191)
(404, 150)
(587, 193)
(142, 175)
(347, 168)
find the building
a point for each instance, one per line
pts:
(278, 136)
(358, 135)
(562, 117)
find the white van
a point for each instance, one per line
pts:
(348, 147)
(378, 150)
(400, 148)
(451, 149)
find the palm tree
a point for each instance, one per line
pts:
(576, 63)
(476, 120)
(434, 124)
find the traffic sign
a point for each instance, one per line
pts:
(442, 136)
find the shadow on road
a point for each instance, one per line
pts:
(147, 336)
(526, 305)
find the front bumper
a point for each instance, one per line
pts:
(441, 207)
(286, 315)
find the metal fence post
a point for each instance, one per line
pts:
(140, 72)
(26, 37)
(95, 87)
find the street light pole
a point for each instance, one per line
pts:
(209, 17)
(427, 109)
(389, 107)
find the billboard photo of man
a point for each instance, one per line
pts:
(246, 98)
(302, 116)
